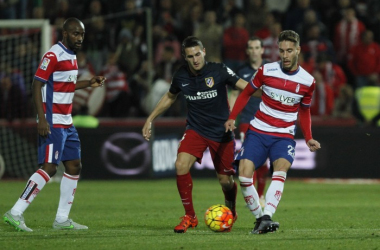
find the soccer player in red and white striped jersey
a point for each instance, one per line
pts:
(287, 92)
(53, 90)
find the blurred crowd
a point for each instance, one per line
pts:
(339, 44)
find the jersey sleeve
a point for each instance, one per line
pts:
(174, 86)
(305, 123)
(306, 100)
(46, 67)
(257, 78)
(229, 76)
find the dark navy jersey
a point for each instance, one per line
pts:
(246, 72)
(207, 98)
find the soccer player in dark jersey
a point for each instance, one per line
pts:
(54, 85)
(204, 86)
(287, 91)
(254, 50)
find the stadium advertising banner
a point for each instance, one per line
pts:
(118, 151)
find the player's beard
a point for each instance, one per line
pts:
(293, 62)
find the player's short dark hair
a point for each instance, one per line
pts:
(191, 41)
(289, 35)
(68, 22)
(254, 38)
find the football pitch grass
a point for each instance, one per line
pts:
(141, 214)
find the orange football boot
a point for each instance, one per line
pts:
(186, 222)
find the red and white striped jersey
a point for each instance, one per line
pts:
(59, 70)
(283, 93)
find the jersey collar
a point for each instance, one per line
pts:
(293, 72)
(65, 48)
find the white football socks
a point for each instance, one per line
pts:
(68, 187)
(34, 185)
(251, 196)
(274, 192)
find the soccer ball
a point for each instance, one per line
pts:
(219, 218)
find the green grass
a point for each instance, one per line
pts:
(142, 215)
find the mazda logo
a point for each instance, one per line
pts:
(126, 154)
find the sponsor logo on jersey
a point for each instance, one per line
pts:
(298, 88)
(72, 78)
(274, 69)
(209, 82)
(287, 100)
(203, 95)
(56, 155)
(45, 63)
(246, 75)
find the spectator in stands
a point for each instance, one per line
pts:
(315, 44)
(306, 65)
(367, 99)
(235, 40)
(335, 15)
(374, 19)
(159, 87)
(322, 103)
(227, 11)
(132, 18)
(168, 64)
(278, 7)
(127, 53)
(296, 15)
(271, 52)
(140, 84)
(97, 42)
(364, 59)
(25, 59)
(343, 104)
(117, 90)
(38, 12)
(13, 98)
(256, 13)
(264, 31)
(85, 71)
(8, 9)
(163, 39)
(94, 8)
(332, 74)
(168, 23)
(347, 34)
(192, 20)
(310, 18)
(210, 33)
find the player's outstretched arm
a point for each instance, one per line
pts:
(166, 101)
(96, 81)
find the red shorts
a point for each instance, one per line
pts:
(222, 153)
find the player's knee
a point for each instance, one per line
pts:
(226, 182)
(181, 166)
(73, 167)
(50, 169)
